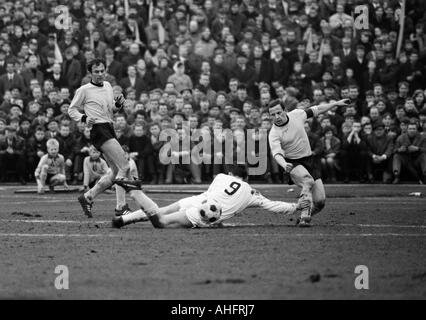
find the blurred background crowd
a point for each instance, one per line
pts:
(213, 65)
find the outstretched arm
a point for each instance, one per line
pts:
(322, 108)
(279, 207)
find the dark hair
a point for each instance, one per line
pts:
(274, 103)
(95, 62)
(238, 170)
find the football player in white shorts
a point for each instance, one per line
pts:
(228, 190)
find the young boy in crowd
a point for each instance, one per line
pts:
(94, 167)
(51, 168)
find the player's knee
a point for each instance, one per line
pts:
(319, 204)
(330, 161)
(152, 211)
(308, 181)
(61, 178)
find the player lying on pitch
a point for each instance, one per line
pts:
(226, 196)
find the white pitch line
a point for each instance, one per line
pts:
(380, 225)
(59, 235)
(333, 235)
(333, 225)
(69, 201)
(225, 224)
(55, 221)
(82, 235)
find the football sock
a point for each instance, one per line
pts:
(104, 183)
(120, 194)
(134, 216)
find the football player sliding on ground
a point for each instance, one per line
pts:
(226, 196)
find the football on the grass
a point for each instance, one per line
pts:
(210, 210)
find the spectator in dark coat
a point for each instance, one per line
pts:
(331, 148)
(71, 70)
(113, 67)
(10, 80)
(313, 69)
(36, 148)
(410, 155)
(81, 151)
(354, 154)
(141, 151)
(380, 149)
(12, 155)
(67, 148)
(244, 73)
(279, 68)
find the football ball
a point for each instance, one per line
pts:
(210, 210)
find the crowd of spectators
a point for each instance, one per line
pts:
(217, 64)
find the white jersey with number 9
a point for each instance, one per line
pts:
(232, 193)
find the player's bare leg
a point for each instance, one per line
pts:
(318, 196)
(148, 208)
(121, 206)
(304, 180)
(113, 150)
(115, 154)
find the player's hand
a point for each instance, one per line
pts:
(402, 149)
(66, 186)
(288, 167)
(40, 154)
(68, 162)
(120, 99)
(343, 102)
(90, 121)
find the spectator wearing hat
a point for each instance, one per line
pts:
(410, 155)
(12, 155)
(25, 130)
(380, 148)
(178, 118)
